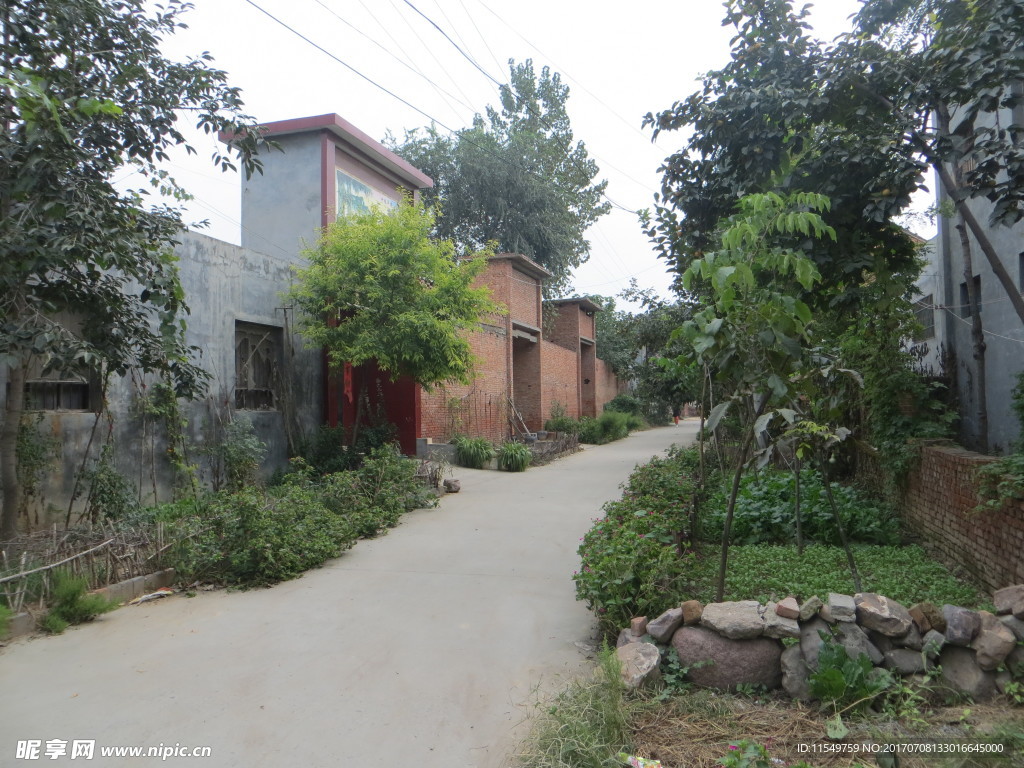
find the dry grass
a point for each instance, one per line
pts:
(695, 730)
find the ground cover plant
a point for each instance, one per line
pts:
(642, 558)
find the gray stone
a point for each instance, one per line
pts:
(826, 613)
(961, 624)
(1002, 679)
(961, 672)
(882, 642)
(776, 625)
(788, 608)
(639, 664)
(933, 642)
(904, 661)
(810, 608)
(1018, 609)
(993, 642)
(881, 614)
(736, 620)
(1004, 599)
(692, 610)
(911, 640)
(795, 675)
(842, 607)
(626, 636)
(638, 625)
(1015, 662)
(856, 642)
(452, 486)
(662, 628)
(1015, 625)
(732, 662)
(810, 640)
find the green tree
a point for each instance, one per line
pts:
(87, 278)
(752, 328)
(767, 121)
(516, 177)
(378, 287)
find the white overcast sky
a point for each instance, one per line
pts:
(620, 60)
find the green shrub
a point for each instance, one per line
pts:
(564, 424)
(609, 426)
(625, 404)
(258, 537)
(765, 512)
(473, 452)
(514, 457)
(112, 496)
(240, 454)
(845, 683)
(5, 620)
(71, 605)
(327, 454)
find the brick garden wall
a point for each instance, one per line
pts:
(559, 379)
(479, 409)
(938, 501)
(608, 386)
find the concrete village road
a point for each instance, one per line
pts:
(420, 649)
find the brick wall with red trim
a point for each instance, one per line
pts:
(938, 503)
(559, 379)
(479, 409)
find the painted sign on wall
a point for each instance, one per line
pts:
(353, 196)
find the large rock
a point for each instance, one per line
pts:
(732, 662)
(993, 642)
(842, 607)
(911, 640)
(810, 640)
(1014, 624)
(904, 661)
(639, 664)
(932, 643)
(795, 675)
(737, 620)
(960, 671)
(788, 608)
(626, 636)
(932, 617)
(662, 628)
(779, 626)
(856, 642)
(962, 624)
(692, 610)
(1015, 662)
(1005, 599)
(810, 608)
(881, 614)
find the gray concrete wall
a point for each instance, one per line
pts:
(281, 208)
(1004, 333)
(223, 283)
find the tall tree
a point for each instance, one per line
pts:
(87, 277)
(379, 287)
(515, 177)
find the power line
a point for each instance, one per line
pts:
(455, 45)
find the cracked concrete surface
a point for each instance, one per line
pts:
(420, 649)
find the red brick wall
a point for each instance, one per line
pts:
(524, 298)
(565, 330)
(559, 379)
(938, 501)
(587, 325)
(608, 386)
(480, 408)
(588, 383)
(526, 382)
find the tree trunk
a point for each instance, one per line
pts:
(13, 411)
(796, 510)
(734, 492)
(977, 339)
(839, 522)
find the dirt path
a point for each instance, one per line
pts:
(420, 649)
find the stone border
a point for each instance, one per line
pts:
(25, 623)
(726, 645)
